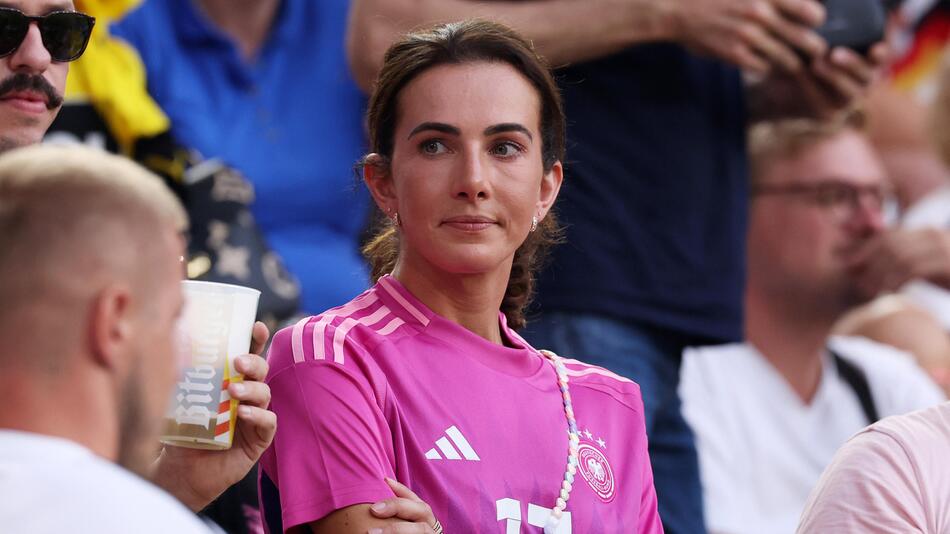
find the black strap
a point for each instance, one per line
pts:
(855, 378)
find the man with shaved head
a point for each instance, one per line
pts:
(90, 249)
(90, 264)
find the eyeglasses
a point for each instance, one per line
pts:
(831, 194)
(64, 33)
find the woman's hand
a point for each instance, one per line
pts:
(405, 513)
(407, 506)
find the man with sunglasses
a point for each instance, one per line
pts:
(38, 39)
(770, 413)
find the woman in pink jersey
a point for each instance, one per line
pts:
(422, 378)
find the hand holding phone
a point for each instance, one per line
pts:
(855, 24)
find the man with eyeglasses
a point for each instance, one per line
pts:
(770, 413)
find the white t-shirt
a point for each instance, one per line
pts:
(932, 211)
(761, 449)
(52, 485)
(892, 477)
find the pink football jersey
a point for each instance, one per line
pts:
(384, 387)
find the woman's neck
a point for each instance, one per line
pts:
(470, 300)
(247, 22)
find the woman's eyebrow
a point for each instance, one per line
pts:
(508, 127)
(435, 126)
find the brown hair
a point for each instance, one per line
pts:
(787, 138)
(458, 43)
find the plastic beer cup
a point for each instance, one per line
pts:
(218, 320)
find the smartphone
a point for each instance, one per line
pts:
(856, 24)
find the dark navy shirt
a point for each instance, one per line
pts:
(655, 193)
(291, 121)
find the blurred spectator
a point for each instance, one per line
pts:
(892, 477)
(107, 106)
(655, 197)
(262, 85)
(915, 152)
(908, 127)
(34, 71)
(87, 364)
(769, 413)
(898, 108)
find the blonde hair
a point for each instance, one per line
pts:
(782, 139)
(31, 171)
(68, 213)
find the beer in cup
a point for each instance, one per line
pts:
(217, 323)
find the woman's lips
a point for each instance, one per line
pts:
(468, 223)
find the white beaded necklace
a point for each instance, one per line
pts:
(573, 442)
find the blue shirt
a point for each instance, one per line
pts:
(291, 121)
(655, 193)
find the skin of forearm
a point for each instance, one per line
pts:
(355, 519)
(563, 31)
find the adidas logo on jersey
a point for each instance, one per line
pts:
(454, 446)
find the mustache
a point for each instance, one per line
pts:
(31, 82)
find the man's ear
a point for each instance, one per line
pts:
(110, 325)
(379, 182)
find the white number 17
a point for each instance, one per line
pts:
(509, 510)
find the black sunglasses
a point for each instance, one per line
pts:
(65, 33)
